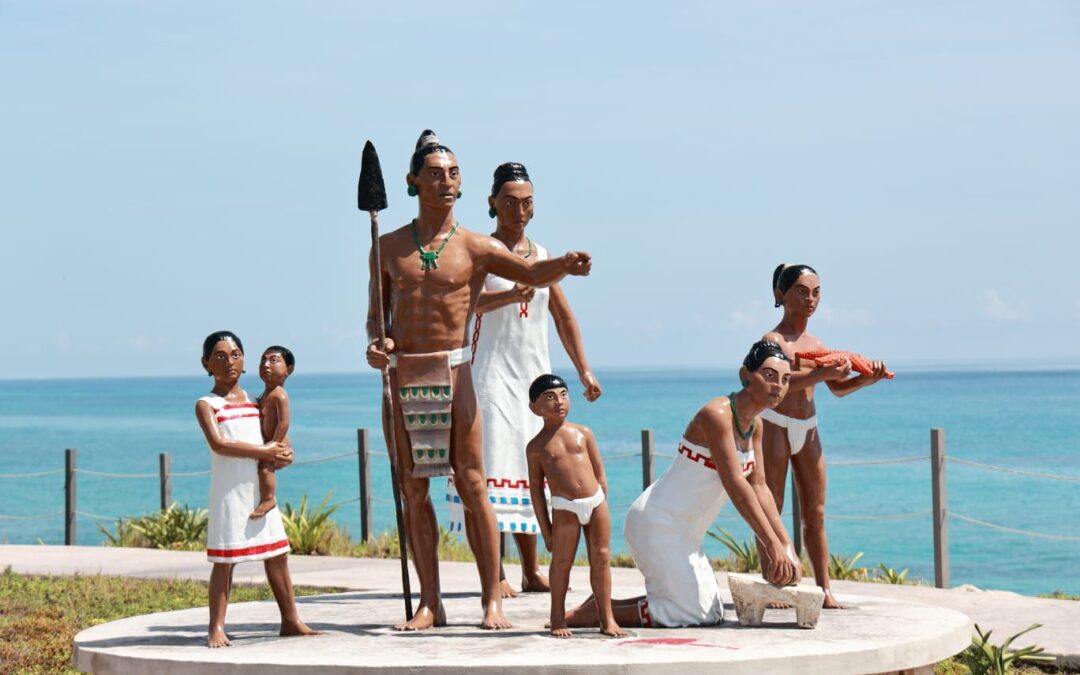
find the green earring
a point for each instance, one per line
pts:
(745, 383)
(412, 191)
(491, 212)
(459, 193)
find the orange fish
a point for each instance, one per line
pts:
(859, 363)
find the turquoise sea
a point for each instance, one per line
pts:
(1024, 421)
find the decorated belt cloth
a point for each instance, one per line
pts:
(426, 396)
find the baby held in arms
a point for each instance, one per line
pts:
(566, 456)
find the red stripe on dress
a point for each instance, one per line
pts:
(223, 418)
(250, 550)
(233, 406)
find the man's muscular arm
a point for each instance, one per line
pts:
(494, 258)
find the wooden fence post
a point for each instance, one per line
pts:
(940, 515)
(69, 497)
(646, 458)
(363, 457)
(796, 517)
(165, 473)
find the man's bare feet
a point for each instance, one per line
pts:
(217, 638)
(535, 583)
(563, 632)
(506, 590)
(264, 507)
(830, 601)
(299, 628)
(423, 619)
(493, 618)
(613, 630)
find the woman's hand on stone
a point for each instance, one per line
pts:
(779, 569)
(380, 358)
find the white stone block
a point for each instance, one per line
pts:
(752, 595)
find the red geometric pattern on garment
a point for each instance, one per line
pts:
(250, 550)
(226, 418)
(643, 613)
(511, 483)
(697, 457)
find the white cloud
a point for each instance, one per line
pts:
(995, 307)
(142, 342)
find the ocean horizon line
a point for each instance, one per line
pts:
(952, 367)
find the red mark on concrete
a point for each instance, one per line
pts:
(675, 642)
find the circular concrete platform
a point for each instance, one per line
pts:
(872, 636)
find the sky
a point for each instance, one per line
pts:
(172, 168)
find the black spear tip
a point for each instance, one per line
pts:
(371, 191)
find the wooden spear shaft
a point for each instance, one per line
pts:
(388, 419)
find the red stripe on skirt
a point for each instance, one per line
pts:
(251, 550)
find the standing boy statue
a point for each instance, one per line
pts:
(432, 273)
(566, 456)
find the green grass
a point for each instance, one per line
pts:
(40, 615)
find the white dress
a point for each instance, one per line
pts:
(664, 530)
(511, 352)
(232, 536)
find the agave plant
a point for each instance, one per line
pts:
(177, 527)
(983, 657)
(844, 569)
(888, 575)
(309, 530)
(744, 553)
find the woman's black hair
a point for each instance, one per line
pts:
(545, 383)
(425, 145)
(785, 276)
(509, 172)
(761, 351)
(286, 354)
(216, 337)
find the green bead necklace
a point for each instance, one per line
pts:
(429, 260)
(530, 252)
(735, 416)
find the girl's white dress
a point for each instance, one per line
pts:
(232, 536)
(511, 352)
(664, 530)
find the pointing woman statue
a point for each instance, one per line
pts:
(510, 349)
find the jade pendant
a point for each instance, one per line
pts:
(429, 260)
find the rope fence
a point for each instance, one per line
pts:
(31, 475)
(1018, 472)
(364, 455)
(1012, 530)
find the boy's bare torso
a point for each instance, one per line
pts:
(564, 457)
(269, 407)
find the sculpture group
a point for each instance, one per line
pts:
(457, 322)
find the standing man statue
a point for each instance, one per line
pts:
(433, 271)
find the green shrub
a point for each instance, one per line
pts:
(844, 569)
(176, 528)
(888, 575)
(310, 531)
(744, 554)
(983, 657)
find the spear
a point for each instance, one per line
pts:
(371, 197)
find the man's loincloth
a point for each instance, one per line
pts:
(426, 396)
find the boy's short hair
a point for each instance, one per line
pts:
(545, 383)
(285, 352)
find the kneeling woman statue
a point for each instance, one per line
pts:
(719, 458)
